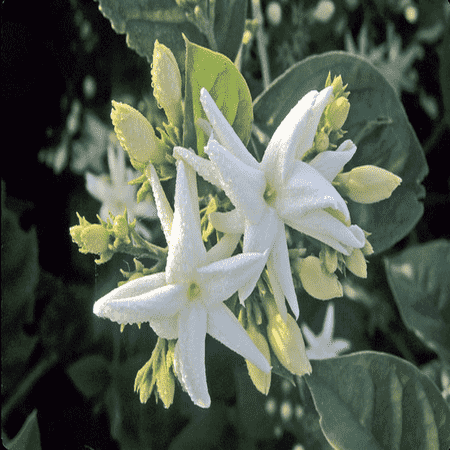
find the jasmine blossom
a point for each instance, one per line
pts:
(282, 189)
(186, 301)
(323, 345)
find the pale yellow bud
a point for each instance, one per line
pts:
(94, 239)
(367, 184)
(136, 134)
(322, 141)
(356, 263)
(166, 81)
(287, 343)
(165, 381)
(260, 379)
(316, 282)
(338, 112)
(286, 340)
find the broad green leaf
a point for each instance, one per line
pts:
(221, 78)
(377, 121)
(420, 281)
(145, 21)
(28, 437)
(376, 401)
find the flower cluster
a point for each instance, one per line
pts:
(236, 290)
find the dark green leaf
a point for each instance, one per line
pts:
(388, 140)
(28, 437)
(420, 281)
(143, 22)
(376, 401)
(90, 375)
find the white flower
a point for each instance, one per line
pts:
(323, 345)
(186, 301)
(280, 190)
(116, 194)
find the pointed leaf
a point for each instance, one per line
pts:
(377, 401)
(221, 78)
(390, 144)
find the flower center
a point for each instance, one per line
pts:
(193, 291)
(270, 194)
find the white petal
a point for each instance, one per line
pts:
(186, 249)
(305, 191)
(98, 187)
(223, 326)
(192, 326)
(158, 303)
(322, 226)
(166, 328)
(224, 131)
(243, 184)
(220, 280)
(202, 166)
(295, 135)
(116, 163)
(229, 222)
(163, 207)
(330, 163)
(279, 268)
(223, 249)
(258, 238)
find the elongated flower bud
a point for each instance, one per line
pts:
(260, 379)
(317, 283)
(367, 184)
(136, 134)
(166, 81)
(286, 341)
(338, 112)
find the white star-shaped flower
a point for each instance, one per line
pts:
(323, 345)
(280, 190)
(186, 301)
(116, 194)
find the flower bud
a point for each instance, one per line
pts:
(121, 230)
(356, 263)
(145, 382)
(260, 379)
(165, 381)
(316, 282)
(95, 239)
(324, 11)
(322, 141)
(166, 82)
(328, 258)
(287, 343)
(136, 134)
(338, 112)
(367, 184)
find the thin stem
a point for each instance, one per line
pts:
(261, 42)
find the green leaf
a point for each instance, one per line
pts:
(28, 437)
(419, 279)
(375, 401)
(145, 21)
(388, 140)
(221, 78)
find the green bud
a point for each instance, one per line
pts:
(337, 113)
(136, 134)
(356, 263)
(316, 282)
(328, 258)
(260, 379)
(165, 381)
(145, 382)
(121, 230)
(321, 141)
(166, 82)
(286, 341)
(367, 184)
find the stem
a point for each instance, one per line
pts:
(261, 42)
